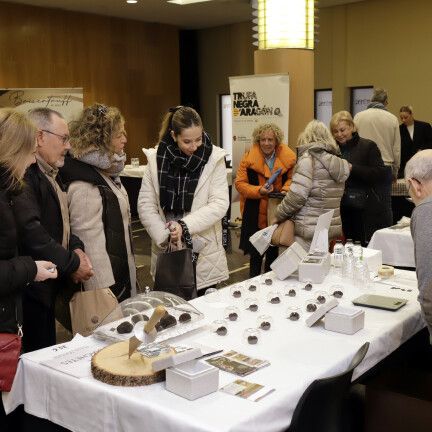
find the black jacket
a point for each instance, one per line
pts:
(368, 174)
(40, 227)
(422, 139)
(75, 170)
(15, 271)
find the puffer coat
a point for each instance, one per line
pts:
(209, 206)
(317, 187)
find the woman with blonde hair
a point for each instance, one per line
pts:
(361, 206)
(267, 155)
(17, 152)
(317, 184)
(98, 203)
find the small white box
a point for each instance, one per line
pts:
(288, 261)
(192, 379)
(344, 320)
(314, 267)
(373, 258)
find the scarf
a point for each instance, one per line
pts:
(378, 105)
(178, 173)
(110, 165)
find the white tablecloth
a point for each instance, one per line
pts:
(397, 246)
(298, 355)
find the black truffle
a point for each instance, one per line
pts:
(137, 317)
(308, 287)
(338, 294)
(168, 321)
(221, 331)
(311, 307)
(265, 325)
(252, 288)
(124, 327)
(184, 317)
(294, 316)
(253, 307)
(275, 300)
(268, 281)
(252, 340)
(232, 316)
(237, 293)
(321, 299)
(292, 293)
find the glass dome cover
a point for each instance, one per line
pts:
(181, 317)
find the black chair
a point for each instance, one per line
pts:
(321, 407)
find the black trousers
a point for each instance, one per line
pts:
(256, 260)
(39, 325)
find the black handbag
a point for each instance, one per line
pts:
(355, 198)
(175, 270)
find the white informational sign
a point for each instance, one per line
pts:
(324, 106)
(256, 99)
(226, 124)
(361, 98)
(320, 238)
(67, 101)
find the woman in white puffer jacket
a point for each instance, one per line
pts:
(185, 180)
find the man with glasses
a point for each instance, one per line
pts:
(42, 218)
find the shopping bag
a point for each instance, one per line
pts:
(261, 239)
(10, 350)
(175, 273)
(89, 308)
(283, 235)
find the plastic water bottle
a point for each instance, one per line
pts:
(349, 246)
(357, 251)
(361, 274)
(338, 254)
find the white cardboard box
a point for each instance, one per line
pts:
(288, 261)
(344, 320)
(314, 267)
(192, 379)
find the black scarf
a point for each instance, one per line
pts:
(178, 174)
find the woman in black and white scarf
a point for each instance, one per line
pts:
(184, 194)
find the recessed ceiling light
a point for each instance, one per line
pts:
(186, 2)
(131, 1)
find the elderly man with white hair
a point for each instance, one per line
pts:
(418, 175)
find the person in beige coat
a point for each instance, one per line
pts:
(98, 203)
(317, 184)
(185, 186)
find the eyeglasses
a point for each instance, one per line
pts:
(65, 138)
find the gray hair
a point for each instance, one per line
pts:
(42, 117)
(419, 166)
(316, 132)
(379, 95)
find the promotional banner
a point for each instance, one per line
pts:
(324, 106)
(256, 99)
(67, 101)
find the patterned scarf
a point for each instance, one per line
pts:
(178, 174)
(378, 105)
(111, 165)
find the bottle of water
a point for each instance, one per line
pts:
(338, 254)
(361, 274)
(349, 246)
(357, 251)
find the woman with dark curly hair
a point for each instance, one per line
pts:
(98, 203)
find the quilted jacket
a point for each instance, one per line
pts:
(209, 206)
(317, 187)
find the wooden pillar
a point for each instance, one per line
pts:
(299, 64)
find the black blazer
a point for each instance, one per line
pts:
(422, 139)
(40, 226)
(15, 271)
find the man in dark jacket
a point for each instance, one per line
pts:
(42, 216)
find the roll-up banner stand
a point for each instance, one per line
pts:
(67, 101)
(256, 99)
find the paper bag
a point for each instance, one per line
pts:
(89, 308)
(262, 238)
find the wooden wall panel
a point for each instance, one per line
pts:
(128, 64)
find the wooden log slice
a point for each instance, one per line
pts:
(112, 365)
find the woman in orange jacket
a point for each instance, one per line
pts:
(265, 157)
